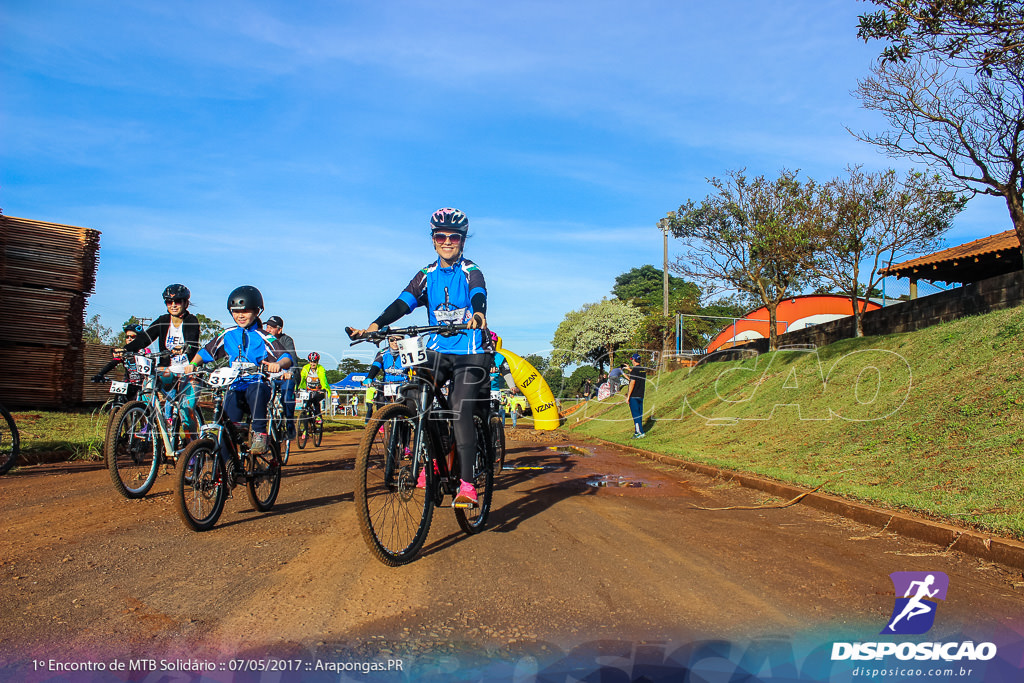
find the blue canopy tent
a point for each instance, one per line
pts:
(346, 388)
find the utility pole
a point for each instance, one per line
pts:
(665, 226)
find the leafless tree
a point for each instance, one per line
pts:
(967, 126)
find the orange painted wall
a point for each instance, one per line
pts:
(792, 310)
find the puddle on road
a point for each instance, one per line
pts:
(611, 481)
(566, 451)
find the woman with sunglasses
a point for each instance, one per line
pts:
(176, 331)
(131, 372)
(452, 290)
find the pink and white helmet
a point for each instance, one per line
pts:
(449, 219)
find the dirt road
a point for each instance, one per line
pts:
(566, 566)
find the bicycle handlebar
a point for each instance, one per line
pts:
(445, 330)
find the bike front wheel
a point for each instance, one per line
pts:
(10, 442)
(202, 488)
(473, 520)
(303, 431)
(264, 477)
(318, 431)
(394, 513)
(133, 450)
(497, 429)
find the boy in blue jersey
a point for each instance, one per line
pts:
(452, 289)
(247, 342)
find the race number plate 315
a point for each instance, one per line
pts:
(412, 351)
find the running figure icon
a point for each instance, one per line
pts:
(916, 605)
(914, 612)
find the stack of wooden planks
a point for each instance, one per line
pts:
(93, 360)
(47, 271)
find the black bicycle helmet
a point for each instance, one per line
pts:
(133, 327)
(449, 219)
(245, 298)
(177, 292)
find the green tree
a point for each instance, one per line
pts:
(95, 332)
(752, 236)
(593, 333)
(539, 363)
(208, 328)
(985, 35)
(555, 379)
(574, 383)
(349, 365)
(644, 287)
(870, 219)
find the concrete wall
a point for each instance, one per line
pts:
(993, 294)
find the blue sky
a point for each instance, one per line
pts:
(301, 147)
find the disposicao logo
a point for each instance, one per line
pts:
(917, 594)
(914, 613)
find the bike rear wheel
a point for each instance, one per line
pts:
(473, 520)
(318, 430)
(497, 429)
(264, 472)
(133, 450)
(394, 515)
(202, 488)
(10, 441)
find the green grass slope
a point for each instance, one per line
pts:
(929, 421)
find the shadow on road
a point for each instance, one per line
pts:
(317, 466)
(522, 504)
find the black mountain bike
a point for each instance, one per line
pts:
(277, 424)
(10, 442)
(309, 423)
(407, 438)
(203, 483)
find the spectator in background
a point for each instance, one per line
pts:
(635, 395)
(614, 380)
(286, 385)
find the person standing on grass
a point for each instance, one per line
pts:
(635, 395)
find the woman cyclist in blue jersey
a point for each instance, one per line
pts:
(452, 289)
(389, 362)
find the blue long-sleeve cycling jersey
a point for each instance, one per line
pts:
(447, 294)
(247, 344)
(390, 364)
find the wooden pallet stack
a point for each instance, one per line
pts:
(93, 360)
(47, 271)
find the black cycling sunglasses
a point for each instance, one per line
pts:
(175, 301)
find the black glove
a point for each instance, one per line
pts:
(96, 379)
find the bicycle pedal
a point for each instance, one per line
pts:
(464, 506)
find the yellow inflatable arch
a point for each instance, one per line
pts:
(534, 388)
